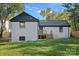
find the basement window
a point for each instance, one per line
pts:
(60, 29)
(22, 38)
(22, 24)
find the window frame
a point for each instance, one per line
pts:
(60, 29)
(21, 38)
(20, 24)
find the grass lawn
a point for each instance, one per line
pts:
(60, 47)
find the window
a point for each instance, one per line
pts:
(41, 28)
(60, 29)
(22, 38)
(22, 24)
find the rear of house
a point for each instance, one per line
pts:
(24, 27)
(55, 29)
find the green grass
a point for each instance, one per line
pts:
(61, 47)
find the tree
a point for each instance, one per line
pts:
(64, 15)
(7, 11)
(45, 12)
(53, 16)
(74, 9)
(49, 14)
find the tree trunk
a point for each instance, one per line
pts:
(74, 21)
(75, 26)
(1, 29)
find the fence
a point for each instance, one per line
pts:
(75, 34)
(6, 35)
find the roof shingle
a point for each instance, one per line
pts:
(25, 17)
(53, 23)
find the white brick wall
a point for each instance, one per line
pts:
(30, 31)
(56, 33)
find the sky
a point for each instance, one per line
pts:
(34, 8)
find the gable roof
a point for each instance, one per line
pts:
(25, 17)
(53, 23)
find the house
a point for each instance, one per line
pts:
(25, 27)
(55, 28)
